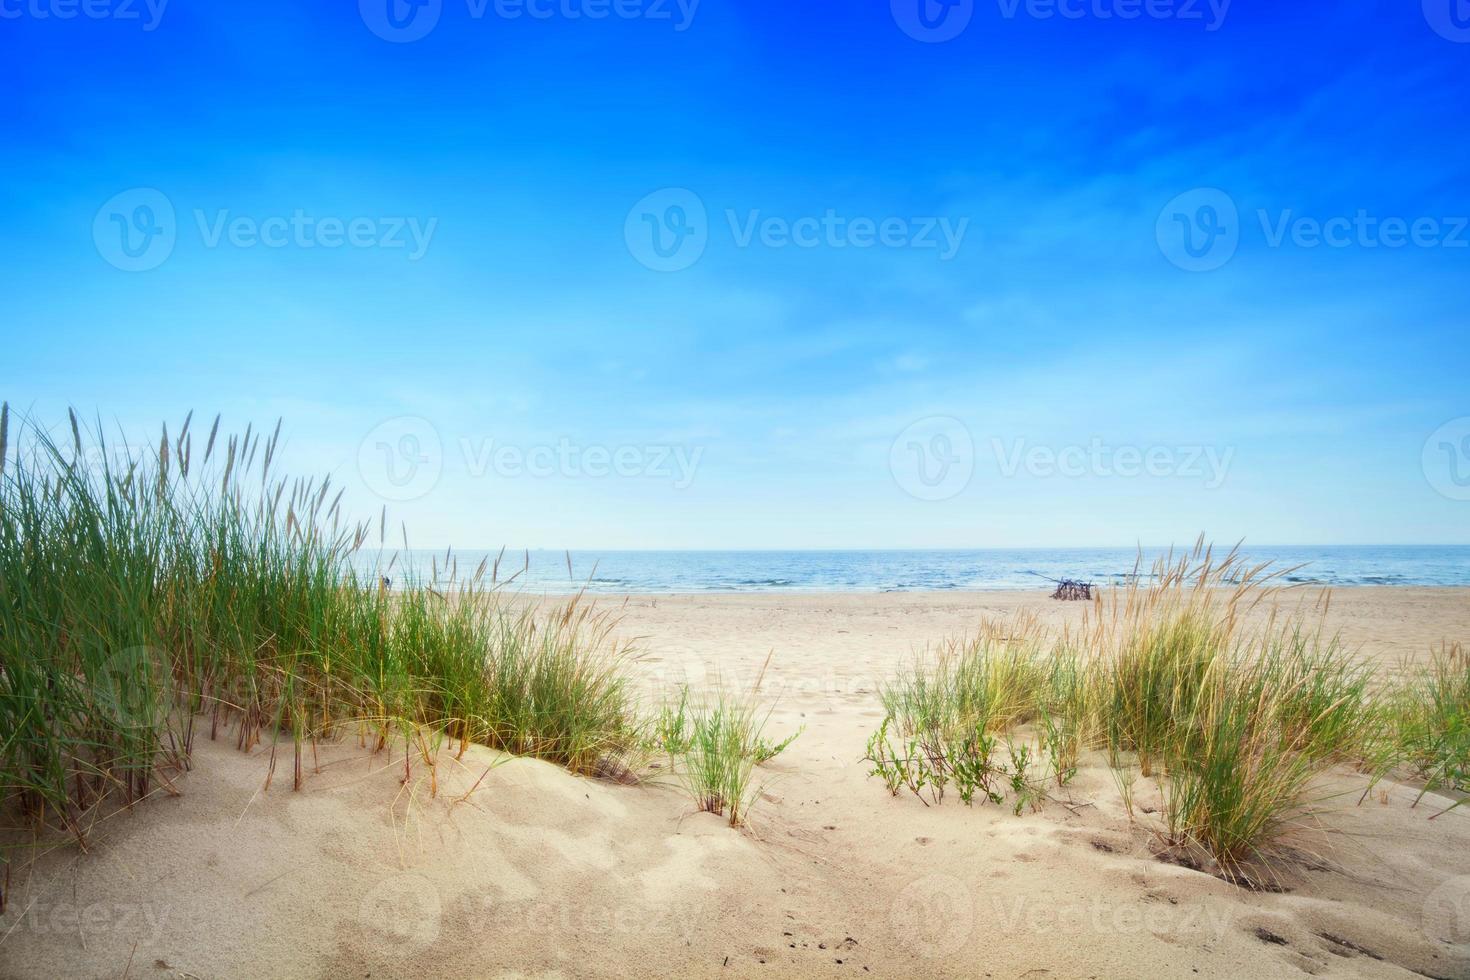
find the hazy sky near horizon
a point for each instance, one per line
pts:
(637, 273)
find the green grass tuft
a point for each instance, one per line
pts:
(149, 597)
(1236, 722)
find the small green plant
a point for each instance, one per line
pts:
(1062, 714)
(766, 751)
(911, 765)
(881, 755)
(720, 752)
(927, 764)
(1027, 794)
(971, 761)
(888, 764)
(671, 726)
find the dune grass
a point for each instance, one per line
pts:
(1235, 722)
(151, 596)
(945, 719)
(714, 745)
(1431, 713)
(990, 681)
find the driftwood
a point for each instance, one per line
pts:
(1072, 589)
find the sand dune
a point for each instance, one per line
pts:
(516, 868)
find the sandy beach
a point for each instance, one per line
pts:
(484, 866)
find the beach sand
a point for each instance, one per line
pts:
(519, 869)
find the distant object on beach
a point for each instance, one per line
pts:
(1068, 588)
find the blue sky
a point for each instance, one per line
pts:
(471, 322)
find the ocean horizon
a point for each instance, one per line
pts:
(900, 570)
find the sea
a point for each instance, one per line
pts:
(555, 572)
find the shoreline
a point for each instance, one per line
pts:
(978, 590)
(1025, 570)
